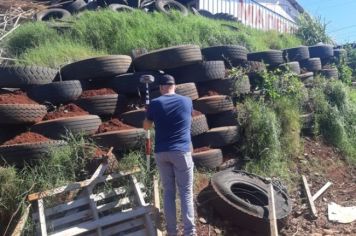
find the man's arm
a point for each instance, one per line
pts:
(147, 124)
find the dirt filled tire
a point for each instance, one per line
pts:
(97, 68)
(25, 76)
(240, 195)
(162, 6)
(198, 72)
(134, 118)
(188, 90)
(8, 132)
(21, 113)
(232, 55)
(121, 140)
(120, 8)
(18, 154)
(103, 105)
(56, 92)
(216, 137)
(311, 64)
(168, 58)
(226, 118)
(330, 73)
(271, 57)
(213, 104)
(199, 125)
(209, 159)
(53, 13)
(321, 51)
(59, 128)
(296, 54)
(291, 66)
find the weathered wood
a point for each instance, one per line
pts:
(104, 221)
(9, 32)
(321, 191)
(116, 229)
(272, 212)
(42, 217)
(310, 198)
(21, 224)
(141, 232)
(78, 185)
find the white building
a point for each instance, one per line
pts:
(277, 15)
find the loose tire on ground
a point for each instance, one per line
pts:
(166, 5)
(216, 137)
(210, 159)
(21, 113)
(97, 68)
(103, 105)
(56, 92)
(199, 125)
(168, 58)
(59, 128)
(75, 6)
(213, 104)
(53, 13)
(120, 8)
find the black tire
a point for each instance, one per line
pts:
(291, 66)
(322, 51)
(307, 121)
(206, 14)
(162, 6)
(120, 8)
(307, 77)
(209, 159)
(130, 83)
(96, 68)
(121, 140)
(18, 154)
(213, 104)
(225, 16)
(58, 128)
(204, 71)
(56, 92)
(199, 125)
(216, 137)
(21, 113)
(311, 64)
(168, 58)
(53, 13)
(134, 118)
(240, 195)
(188, 90)
(76, 6)
(226, 118)
(232, 55)
(228, 86)
(340, 53)
(330, 73)
(24, 76)
(8, 132)
(271, 57)
(296, 54)
(103, 105)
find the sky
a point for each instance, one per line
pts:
(339, 14)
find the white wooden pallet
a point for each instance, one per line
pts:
(120, 211)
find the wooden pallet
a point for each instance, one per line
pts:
(96, 209)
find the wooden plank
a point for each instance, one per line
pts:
(21, 224)
(310, 198)
(42, 217)
(156, 203)
(116, 229)
(78, 185)
(104, 221)
(141, 232)
(272, 212)
(94, 211)
(321, 191)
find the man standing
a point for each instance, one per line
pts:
(171, 114)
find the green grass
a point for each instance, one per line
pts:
(95, 33)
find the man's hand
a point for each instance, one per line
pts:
(147, 124)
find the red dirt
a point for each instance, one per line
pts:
(27, 137)
(202, 149)
(113, 125)
(97, 92)
(69, 110)
(205, 92)
(196, 113)
(17, 97)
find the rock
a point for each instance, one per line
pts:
(331, 232)
(316, 234)
(217, 231)
(202, 220)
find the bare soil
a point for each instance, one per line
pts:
(113, 125)
(69, 110)
(27, 137)
(205, 92)
(97, 92)
(17, 97)
(202, 149)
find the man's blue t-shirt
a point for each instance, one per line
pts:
(172, 116)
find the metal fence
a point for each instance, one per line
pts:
(250, 13)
